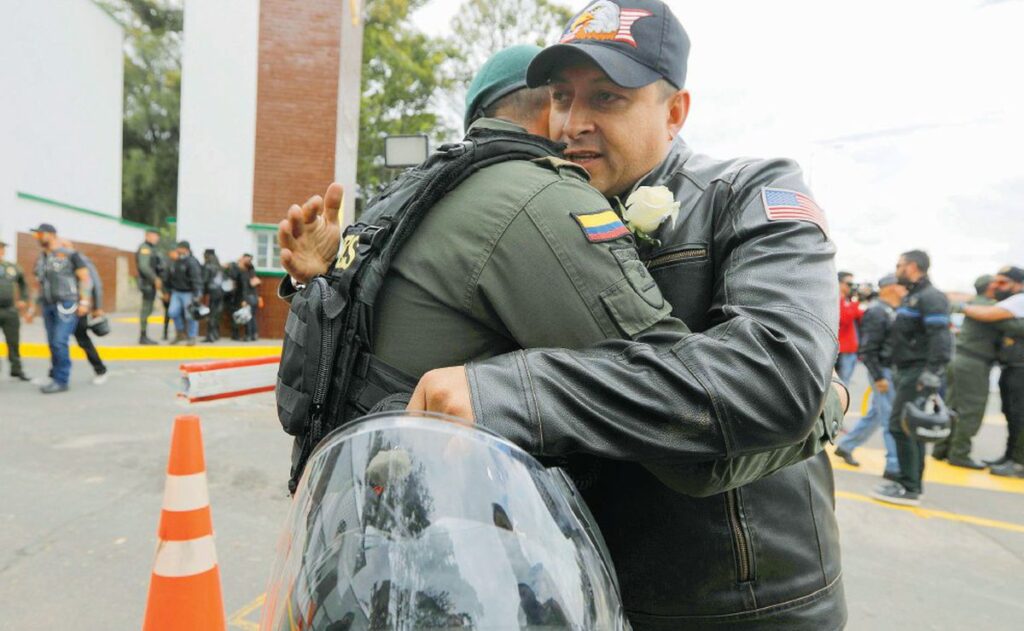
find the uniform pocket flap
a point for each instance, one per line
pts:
(295, 329)
(292, 406)
(629, 310)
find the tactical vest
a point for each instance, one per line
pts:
(328, 374)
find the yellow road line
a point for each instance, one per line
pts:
(35, 350)
(872, 462)
(237, 619)
(929, 513)
(153, 319)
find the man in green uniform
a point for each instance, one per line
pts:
(147, 263)
(977, 347)
(545, 262)
(13, 298)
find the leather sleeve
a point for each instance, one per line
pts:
(935, 315)
(195, 275)
(753, 381)
(873, 329)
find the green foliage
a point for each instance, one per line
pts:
(483, 27)
(402, 73)
(152, 98)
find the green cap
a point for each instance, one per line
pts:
(501, 75)
(982, 282)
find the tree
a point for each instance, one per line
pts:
(402, 72)
(483, 27)
(152, 100)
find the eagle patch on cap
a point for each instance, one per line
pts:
(604, 20)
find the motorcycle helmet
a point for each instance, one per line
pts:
(198, 311)
(242, 315)
(99, 326)
(404, 521)
(928, 419)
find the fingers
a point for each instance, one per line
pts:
(313, 207)
(333, 199)
(286, 236)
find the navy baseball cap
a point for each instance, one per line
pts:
(635, 43)
(45, 227)
(1013, 272)
(888, 279)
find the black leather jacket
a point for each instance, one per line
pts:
(759, 294)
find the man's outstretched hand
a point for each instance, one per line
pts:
(310, 235)
(443, 390)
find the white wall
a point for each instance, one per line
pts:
(61, 81)
(218, 125)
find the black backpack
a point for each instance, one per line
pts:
(328, 374)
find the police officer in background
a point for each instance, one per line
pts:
(13, 300)
(186, 285)
(921, 347)
(149, 265)
(977, 349)
(1008, 285)
(751, 377)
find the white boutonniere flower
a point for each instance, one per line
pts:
(647, 208)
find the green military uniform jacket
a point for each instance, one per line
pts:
(11, 276)
(144, 259)
(525, 254)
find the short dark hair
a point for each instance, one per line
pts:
(920, 258)
(519, 106)
(845, 275)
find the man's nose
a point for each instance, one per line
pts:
(578, 121)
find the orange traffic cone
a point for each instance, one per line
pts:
(184, 592)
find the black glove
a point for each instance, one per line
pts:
(929, 382)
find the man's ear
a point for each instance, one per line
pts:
(678, 109)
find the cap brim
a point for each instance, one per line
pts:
(621, 69)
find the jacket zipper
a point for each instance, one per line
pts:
(323, 363)
(674, 257)
(739, 537)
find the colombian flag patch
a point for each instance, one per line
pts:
(601, 226)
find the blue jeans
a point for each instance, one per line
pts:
(180, 300)
(845, 365)
(877, 416)
(60, 320)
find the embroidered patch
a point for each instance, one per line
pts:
(780, 204)
(604, 20)
(144, 251)
(601, 226)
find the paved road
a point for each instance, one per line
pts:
(83, 476)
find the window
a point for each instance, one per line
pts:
(268, 252)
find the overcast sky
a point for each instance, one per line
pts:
(899, 112)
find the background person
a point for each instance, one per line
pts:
(13, 301)
(850, 314)
(186, 285)
(976, 351)
(213, 281)
(921, 346)
(243, 274)
(65, 295)
(148, 266)
(1009, 285)
(165, 266)
(876, 355)
(96, 311)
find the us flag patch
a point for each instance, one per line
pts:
(780, 203)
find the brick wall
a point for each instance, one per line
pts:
(103, 257)
(296, 109)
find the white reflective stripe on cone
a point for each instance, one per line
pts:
(185, 558)
(186, 492)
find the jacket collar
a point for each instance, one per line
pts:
(678, 153)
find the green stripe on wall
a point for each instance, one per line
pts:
(94, 213)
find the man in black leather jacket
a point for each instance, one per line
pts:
(748, 265)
